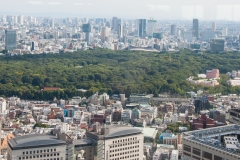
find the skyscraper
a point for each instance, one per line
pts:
(214, 26)
(151, 27)
(10, 39)
(195, 28)
(120, 28)
(114, 23)
(20, 19)
(104, 33)
(141, 28)
(173, 29)
(52, 23)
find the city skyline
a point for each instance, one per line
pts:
(172, 10)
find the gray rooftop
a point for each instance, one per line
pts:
(86, 141)
(34, 140)
(208, 136)
(118, 130)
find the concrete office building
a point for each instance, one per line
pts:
(114, 23)
(151, 27)
(116, 142)
(37, 146)
(120, 28)
(21, 19)
(195, 28)
(217, 45)
(3, 105)
(207, 35)
(141, 28)
(104, 33)
(209, 144)
(214, 26)
(10, 41)
(173, 29)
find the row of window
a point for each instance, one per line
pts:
(120, 149)
(125, 140)
(124, 158)
(112, 155)
(125, 144)
(37, 156)
(40, 151)
(54, 159)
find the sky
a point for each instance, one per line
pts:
(156, 9)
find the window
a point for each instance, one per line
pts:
(23, 153)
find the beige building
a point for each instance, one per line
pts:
(37, 147)
(208, 144)
(117, 142)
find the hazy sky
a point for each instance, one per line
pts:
(158, 9)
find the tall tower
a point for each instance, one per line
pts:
(104, 33)
(141, 26)
(120, 28)
(214, 26)
(114, 23)
(20, 19)
(10, 39)
(195, 28)
(151, 27)
(173, 29)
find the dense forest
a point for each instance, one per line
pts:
(112, 72)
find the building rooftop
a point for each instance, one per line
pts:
(115, 131)
(34, 140)
(209, 137)
(148, 132)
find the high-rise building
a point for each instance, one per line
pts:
(214, 26)
(120, 28)
(32, 46)
(9, 18)
(2, 105)
(173, 29)
(195, 28)
(10, 39)
(141, 28)
(21, 19)
(104, 33)
(207, 35)
(210, 143)
(117, 142)
(217, 45)
(151, 27)
(52, 23)
(85, 20)
(23, 32)
(114, 23)
(225, 31)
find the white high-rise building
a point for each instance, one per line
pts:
(214, 26)
(3, 105)
(23, 32)
(21, 19)
(52, 23)
(117, 142)
(225, 31)
(120, 28)
(151, 27)
(174, 155)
